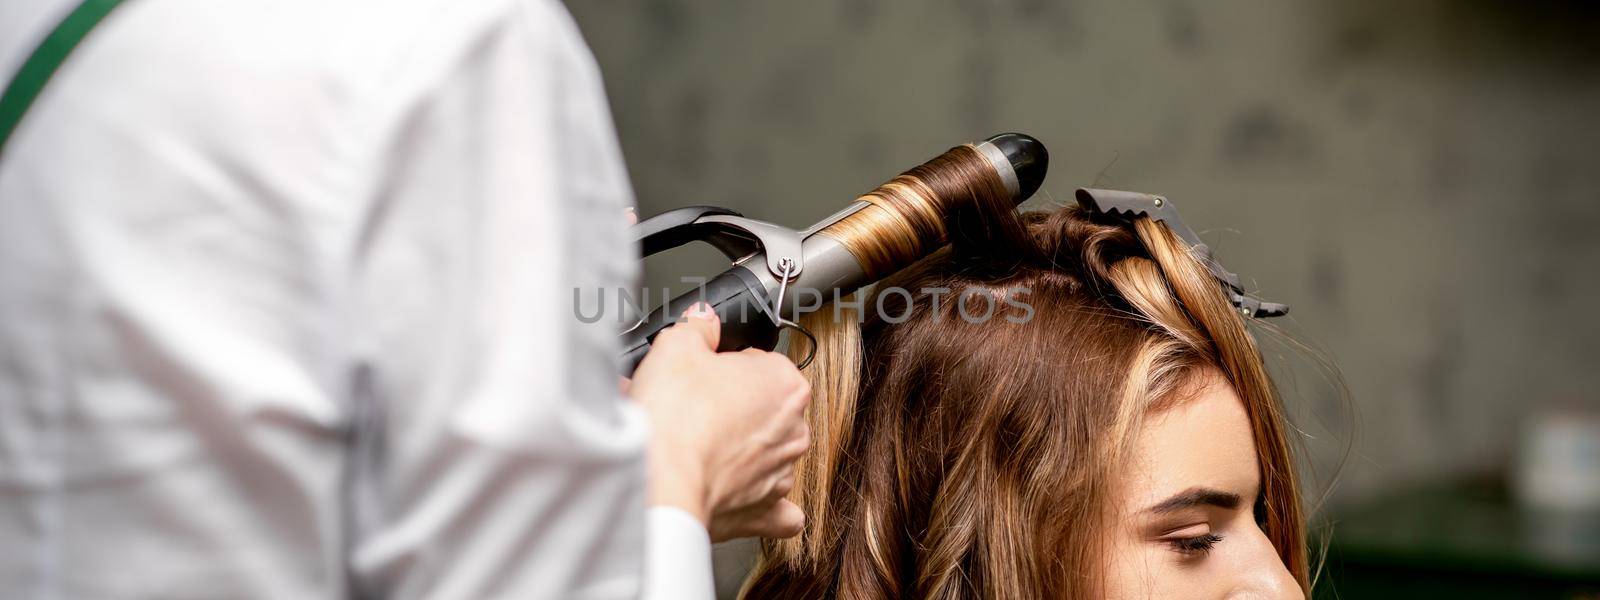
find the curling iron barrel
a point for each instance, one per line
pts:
(880, 233)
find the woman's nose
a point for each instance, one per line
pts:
(1263, 575)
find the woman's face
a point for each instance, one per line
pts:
(1189, 525)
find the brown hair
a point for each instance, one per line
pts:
(958, 459)
(905, 218)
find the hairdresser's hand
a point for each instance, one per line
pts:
(727, 428)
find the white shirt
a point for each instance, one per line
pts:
(286, 310)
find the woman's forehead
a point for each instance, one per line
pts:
(1205, 441)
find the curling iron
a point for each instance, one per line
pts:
(754, 298)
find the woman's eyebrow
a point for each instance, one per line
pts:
(1196, 497)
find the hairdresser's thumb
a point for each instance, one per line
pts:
(700, 326)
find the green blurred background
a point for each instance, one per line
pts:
(1417, 179)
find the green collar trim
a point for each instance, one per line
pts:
(45, 61)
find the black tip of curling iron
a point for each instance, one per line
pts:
(1028, 158)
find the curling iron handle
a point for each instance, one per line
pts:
(740, 302)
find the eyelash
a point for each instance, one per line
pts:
(1197, 545)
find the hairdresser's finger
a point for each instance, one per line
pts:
(624, 385)
(631, 215)
(783, 520)
(798, 443)
(699, 327)
(782, 485)
(774, 519)
(801, 396)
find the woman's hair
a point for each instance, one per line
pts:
(957, 457)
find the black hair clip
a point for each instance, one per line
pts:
(1158, 208)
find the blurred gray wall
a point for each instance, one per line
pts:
(1418, 179)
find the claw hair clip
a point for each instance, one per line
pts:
(1131, 205)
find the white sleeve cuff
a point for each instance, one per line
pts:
(677, 557)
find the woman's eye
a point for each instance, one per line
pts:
(1195, 546)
